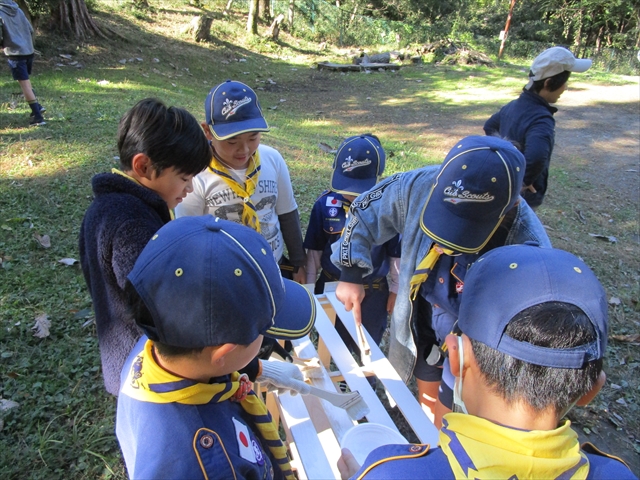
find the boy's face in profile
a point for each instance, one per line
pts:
(171, 185)
(236, 151)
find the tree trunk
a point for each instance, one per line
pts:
(290, 15)
(252, 21)
(274, 29)
(73, 16)
(25, 8)
(266, 12)
(227, 9)
(201, 27)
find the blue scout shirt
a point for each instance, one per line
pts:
(326, 223)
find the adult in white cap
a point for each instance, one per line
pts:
(529, 119)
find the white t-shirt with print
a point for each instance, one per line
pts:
(273, 196)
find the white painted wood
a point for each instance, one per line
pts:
(307, 443)
(350, 369)
(395, 387)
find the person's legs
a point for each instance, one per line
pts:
(21, 69)
(427, 376)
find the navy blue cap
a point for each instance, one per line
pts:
(478, 183)
(208, 282)
(358, 164)
(232, 108)
(508, 280)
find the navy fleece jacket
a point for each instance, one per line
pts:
(116, 227)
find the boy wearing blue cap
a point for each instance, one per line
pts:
(529, 119)
(448, 216)
(184, 411)
(357, 167)
(534, 333)
(161, 148)
(247, 182)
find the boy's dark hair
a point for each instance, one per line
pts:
(551, 325)
(555, 82)
(170, 137)
(144, 318)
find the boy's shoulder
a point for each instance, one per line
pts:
(603, 465)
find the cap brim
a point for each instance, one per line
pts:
(351, 186)
(297, 314)
(224, 131)
(581, 65)
(460, 234)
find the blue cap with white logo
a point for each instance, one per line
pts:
(358, 165)
(478, 183)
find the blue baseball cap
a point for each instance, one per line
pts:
(478, 183)
(358, 164)
(207, 282)
(231, 109)
(508, 280)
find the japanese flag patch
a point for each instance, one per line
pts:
(333, 202)
(246, 445)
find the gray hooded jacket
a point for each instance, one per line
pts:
(395, 206)
(16, 34)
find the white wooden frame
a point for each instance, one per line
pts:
(313, 426)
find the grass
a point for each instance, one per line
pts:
(63, 426)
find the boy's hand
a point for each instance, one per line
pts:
(282, 376)
(300, 276)
(347, 464)
(351, 295)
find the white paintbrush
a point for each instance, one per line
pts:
(352, 402)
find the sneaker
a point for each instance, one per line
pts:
(36, 122)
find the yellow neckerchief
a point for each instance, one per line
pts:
(121, 173)
(425, 266)
(244, 191)
(148, 382)
(478, 448)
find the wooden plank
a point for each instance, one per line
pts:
(350, 369)
(396, 388)
(305, 438)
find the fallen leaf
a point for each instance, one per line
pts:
(614, 301)
(41, 326)
(326, 148)
(7, 404)
(635, 338)
(66, 56)
(43, 240)
(273, 108)
(609, 238)
(283, 100)
(68, 261)
(123, 61)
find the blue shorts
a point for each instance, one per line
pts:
(21, 66)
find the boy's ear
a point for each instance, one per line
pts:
(587, 397)
(141, 166)
(218, 354)
(454, 356)
(207, 131)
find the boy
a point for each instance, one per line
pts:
(247, 182)
(448, 216)
(205, 290)
(534, 334)
(358, 165)
(529, 119)
(16, 37)
(161, 149)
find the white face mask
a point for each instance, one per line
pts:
(458, 404)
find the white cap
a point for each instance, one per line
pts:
(553, 61)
